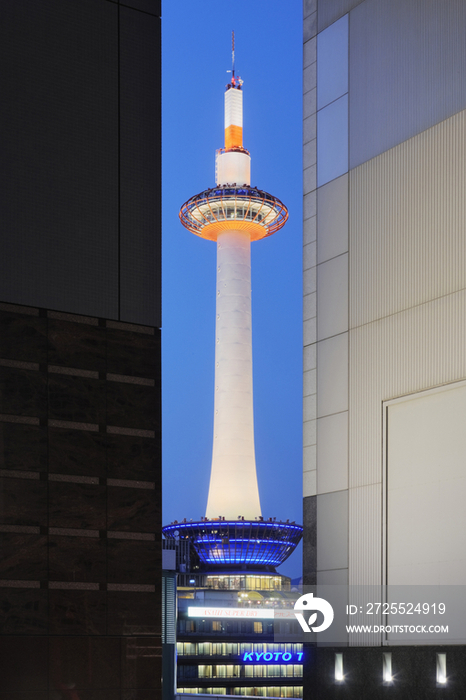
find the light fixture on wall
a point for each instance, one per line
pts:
(339, 676)
(441, 670)
(387, 668)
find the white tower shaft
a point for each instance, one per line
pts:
(233, 488)
(233, 214)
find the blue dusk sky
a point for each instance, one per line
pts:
(196, 54)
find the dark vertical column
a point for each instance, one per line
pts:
(310, 541)
(140, 175)
(169, 605)
(59, 166)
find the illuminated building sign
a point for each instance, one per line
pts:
(239, 613)
(280, 656)
(242, 613)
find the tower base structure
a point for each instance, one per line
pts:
(252, 543)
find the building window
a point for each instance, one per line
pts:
(186, 625)
(204, 649)
(332, 141)
(205, 671)
(332, 62)
(273, 670)
(187, 672)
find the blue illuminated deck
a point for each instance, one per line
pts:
(251, 542)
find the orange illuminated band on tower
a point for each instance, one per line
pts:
(233, 137)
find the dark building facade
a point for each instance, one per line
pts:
(80, 492)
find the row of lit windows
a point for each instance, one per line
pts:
(240, 671)
(247, 627)
(232, 648)
(216, 211)
(286, 691)
(250, 671)
(248, 583)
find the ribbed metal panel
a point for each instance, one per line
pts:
(407, 61)
(365, 539)
(169, 608)
(364, 506)
(407, 214)
(414, 350)
(407, 305)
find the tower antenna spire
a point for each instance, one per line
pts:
(233, 56)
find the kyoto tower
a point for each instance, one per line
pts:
(233, 214)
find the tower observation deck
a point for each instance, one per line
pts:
(233, 214)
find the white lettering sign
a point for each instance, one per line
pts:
(241, 613)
